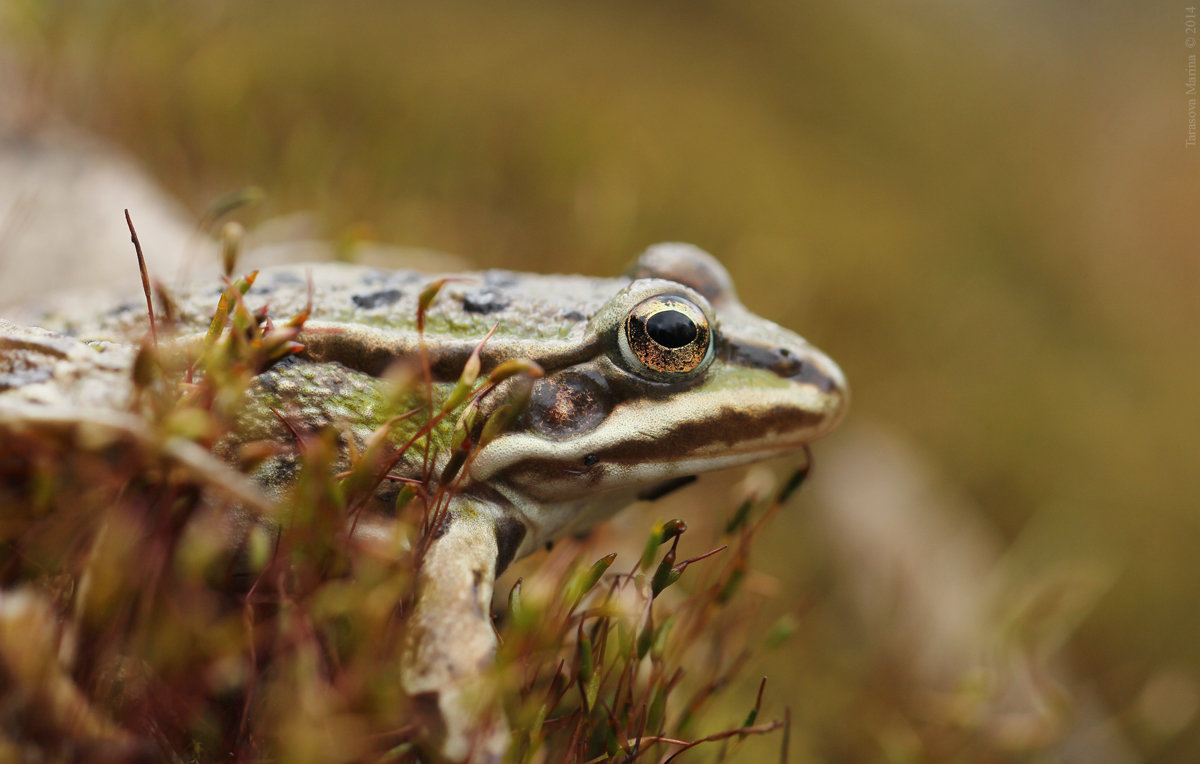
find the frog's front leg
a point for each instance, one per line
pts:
(450, 642)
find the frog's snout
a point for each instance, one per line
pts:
(820, 371)
(802, 364)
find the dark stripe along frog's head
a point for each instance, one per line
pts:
(680, 379)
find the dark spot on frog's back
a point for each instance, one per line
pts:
(569, 403)
(484, 301)
(379, 299)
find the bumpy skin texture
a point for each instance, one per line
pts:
(602, 429)
(597, 435)
(44, 368)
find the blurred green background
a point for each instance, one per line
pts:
(984, 211)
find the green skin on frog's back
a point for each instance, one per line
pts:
(649, 379)
(611, 419)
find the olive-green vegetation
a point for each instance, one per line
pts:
(984, 213)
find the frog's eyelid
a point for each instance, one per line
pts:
(688, 265)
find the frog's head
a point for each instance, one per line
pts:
(680, 379)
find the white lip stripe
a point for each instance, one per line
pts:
(655, 420)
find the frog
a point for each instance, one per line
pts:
(631, 387)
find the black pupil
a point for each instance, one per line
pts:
(671, 329)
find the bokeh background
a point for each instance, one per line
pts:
(986, 212)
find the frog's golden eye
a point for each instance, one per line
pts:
(666, 337)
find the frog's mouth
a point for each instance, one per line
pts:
(647, 444)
